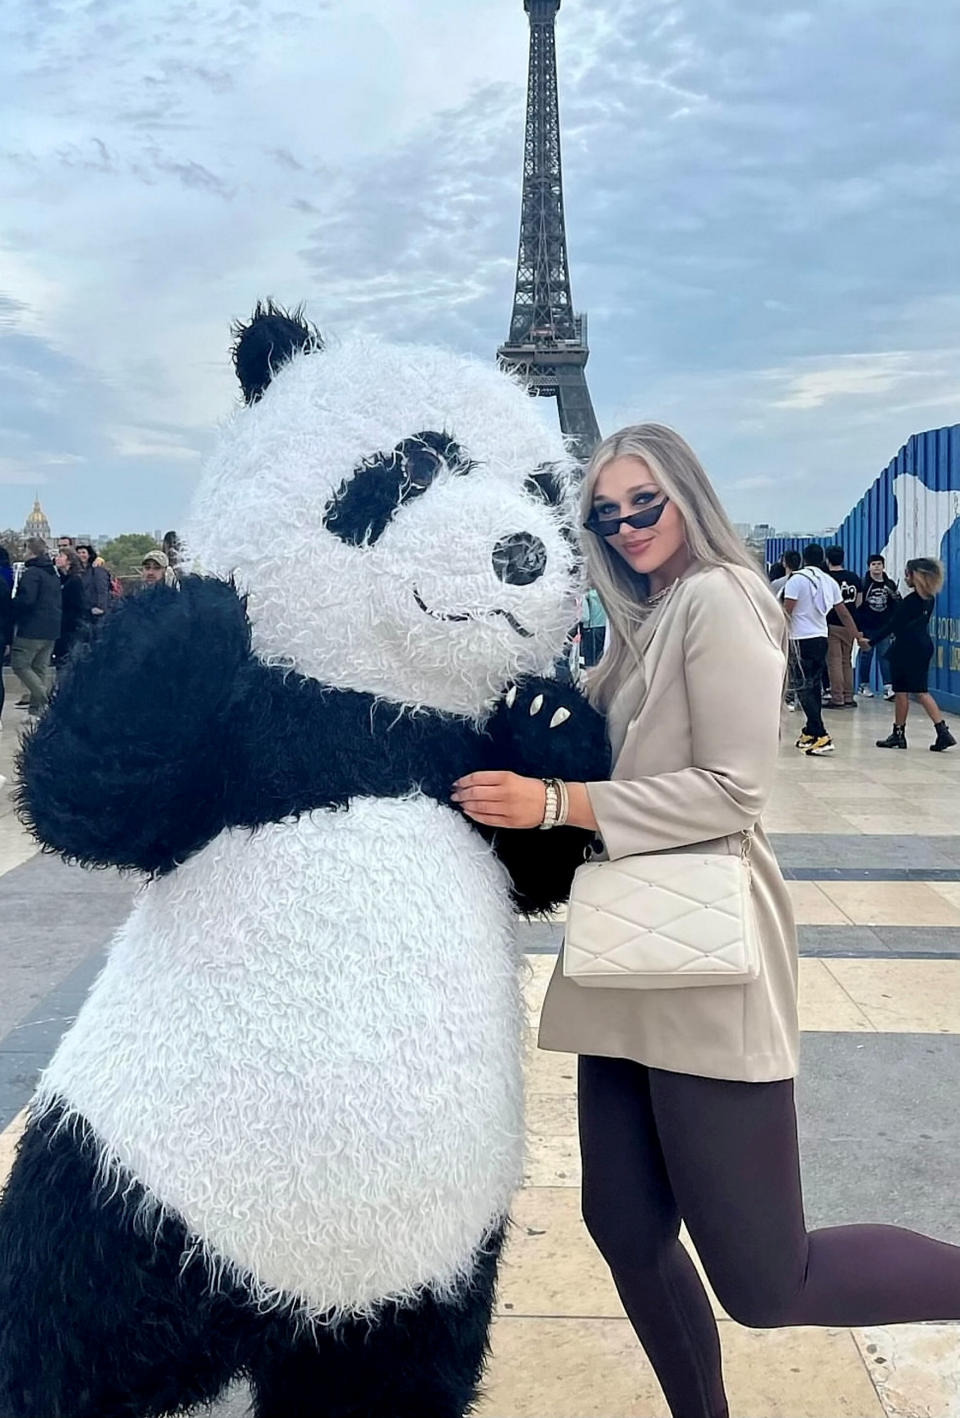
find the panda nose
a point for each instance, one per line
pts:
(520, 559)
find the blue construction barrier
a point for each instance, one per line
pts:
(913, 509)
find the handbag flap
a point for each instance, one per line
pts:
(675, 914)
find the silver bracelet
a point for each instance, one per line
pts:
(564, 812)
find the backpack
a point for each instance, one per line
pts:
(819, 593)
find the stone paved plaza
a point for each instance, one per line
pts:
(870, 843)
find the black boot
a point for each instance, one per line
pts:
(945, 738)
(898, 739)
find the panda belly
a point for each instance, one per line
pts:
(306, 1042)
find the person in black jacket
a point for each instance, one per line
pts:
(912, 651)
(96, 583)
(6, 618)
(37, 617)
(70, 570)
(880, 596)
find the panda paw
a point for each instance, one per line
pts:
(561, 715)
(548, 729)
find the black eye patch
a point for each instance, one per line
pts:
(364, 504)
(546, 485)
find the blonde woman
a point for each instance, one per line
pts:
(686, 1094)
(911, 653)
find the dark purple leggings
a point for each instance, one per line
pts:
(723, 1157)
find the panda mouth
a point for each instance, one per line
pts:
(511, 620)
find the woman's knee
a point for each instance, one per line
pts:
(624, 1237)
(755, 1302)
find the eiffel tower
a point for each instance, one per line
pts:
(547, 345)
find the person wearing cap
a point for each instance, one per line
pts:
(155, 569)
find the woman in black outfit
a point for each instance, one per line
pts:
(70, 570)
(912, 651)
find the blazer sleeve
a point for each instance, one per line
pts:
(734, 667)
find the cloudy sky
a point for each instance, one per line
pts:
(763, 201)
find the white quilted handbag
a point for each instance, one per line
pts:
(663, 921)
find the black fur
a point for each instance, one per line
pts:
(546, 485)
(167, 730)
(364, 504)
(541, 864)
(100, 1319)
(266, 342)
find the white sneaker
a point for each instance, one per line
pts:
(866, 692)
(888, 692)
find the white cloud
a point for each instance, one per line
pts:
(764, 243)
(866, 375)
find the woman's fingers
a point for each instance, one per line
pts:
(480, 795)
(489, 819)
(483, 780)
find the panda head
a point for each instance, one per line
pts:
(396, 517)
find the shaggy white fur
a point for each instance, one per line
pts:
(306, 1043)
(306, 1040)
(348, 616)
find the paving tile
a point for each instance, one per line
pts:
(537, 972)
(880, 1130)
(551, 1161)
(825, 1004)
(911, 903)
(548, 1072)
(791, 822)
(9, 1139)
(906, 822)
(928, 941)
(891, 849)
(15, 848)
(552, 1114)
(915, 1367)
(854, 788)
(903, 996)
(812, 906)
(18, 1080)
(576, 1368)
(552, 1267)
(820, 941)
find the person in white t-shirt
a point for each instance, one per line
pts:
(808, 597)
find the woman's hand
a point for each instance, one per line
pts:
(501, 799)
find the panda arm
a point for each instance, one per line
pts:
(129, 765)
(537, 741)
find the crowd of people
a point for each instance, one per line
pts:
(833, 613)
(49, 603)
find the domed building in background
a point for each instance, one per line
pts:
(37, 524)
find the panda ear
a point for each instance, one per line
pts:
(270, 337)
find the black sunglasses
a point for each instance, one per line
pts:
(610, 526)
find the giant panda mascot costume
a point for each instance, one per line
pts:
(280, 1140)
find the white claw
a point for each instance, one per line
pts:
(536, 705)
(560, 717)
(511, 696)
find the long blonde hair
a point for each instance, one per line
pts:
(927, 575)
(710, 537)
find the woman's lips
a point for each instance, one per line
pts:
(634, 547)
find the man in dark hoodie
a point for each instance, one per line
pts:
(37, 618)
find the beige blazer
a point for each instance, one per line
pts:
(695, 739)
